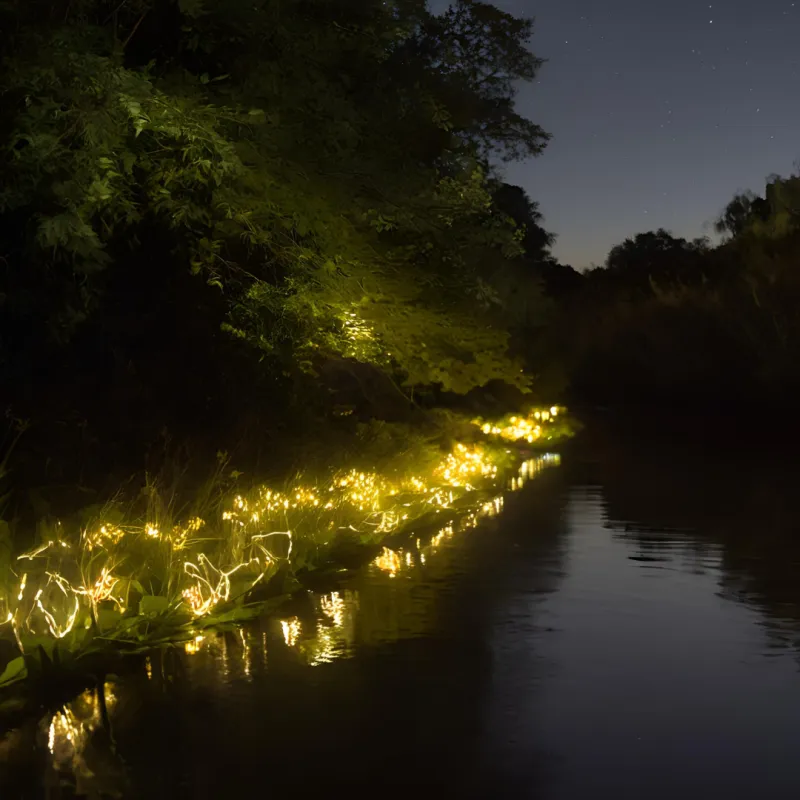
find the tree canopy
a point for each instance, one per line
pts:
(322, 166)
(656, 256)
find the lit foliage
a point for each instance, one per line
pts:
(67, 588)
(537, 424)
(324, 165)
(325, 633)
(331, 634)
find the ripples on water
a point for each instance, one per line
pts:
(627, 627)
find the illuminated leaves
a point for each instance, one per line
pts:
(301, 190)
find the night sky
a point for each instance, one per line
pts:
(660, 110)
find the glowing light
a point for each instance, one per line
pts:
(362, 342)
(333, 607)
(291, 631)
(59, 629)
(103, 536)
(259, 531)
(182, 534)
(71, 728)
(101, 590)
(518, 429)
(324, 648)
(388, 561)
(36, 552)
(211, 586)
(463, 464)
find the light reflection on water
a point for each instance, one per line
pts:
(325, 629)
(622, 631)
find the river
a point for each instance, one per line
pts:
(627, 626)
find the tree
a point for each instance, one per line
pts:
(323, 165)
(740, 212)
(557, 279)
(655, 256)
(515, 202)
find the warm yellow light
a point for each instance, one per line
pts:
(388, 561)
(259, 534)
(291, 630)
(333, 607)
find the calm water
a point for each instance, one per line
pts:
(627, 627)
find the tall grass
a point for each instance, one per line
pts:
(158, 567)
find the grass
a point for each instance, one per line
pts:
(135, 573)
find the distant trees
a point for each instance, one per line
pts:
(668, 319)
(656, 256)
(740, 212)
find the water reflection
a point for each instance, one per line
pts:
(70, 729)
(402, 601)
(68, 753)
(736, 516)
(611, 631)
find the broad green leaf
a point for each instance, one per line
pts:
(16, 670)
(108, 618)
(152, 604)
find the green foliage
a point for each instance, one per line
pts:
(81, 600)
(740, 212)
(670, 320)
(16, 670)
(152, 604)
(324, 165)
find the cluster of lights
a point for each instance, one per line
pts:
(182, 534)
(333, 606)
(393, 562)
(64, 585)
(330, 635)
(388, 561)
(328, 639)
(105, 535)
(102, 590)
(292, 628)
(464, 465)
(529, 428)
(210, 585)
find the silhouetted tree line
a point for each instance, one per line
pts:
(667, 320)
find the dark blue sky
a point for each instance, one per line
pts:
(660, 110)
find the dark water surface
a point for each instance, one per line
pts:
(627, 627)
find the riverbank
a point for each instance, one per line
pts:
(136, 576)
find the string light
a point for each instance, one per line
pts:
(67, 580)
(291, 631)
